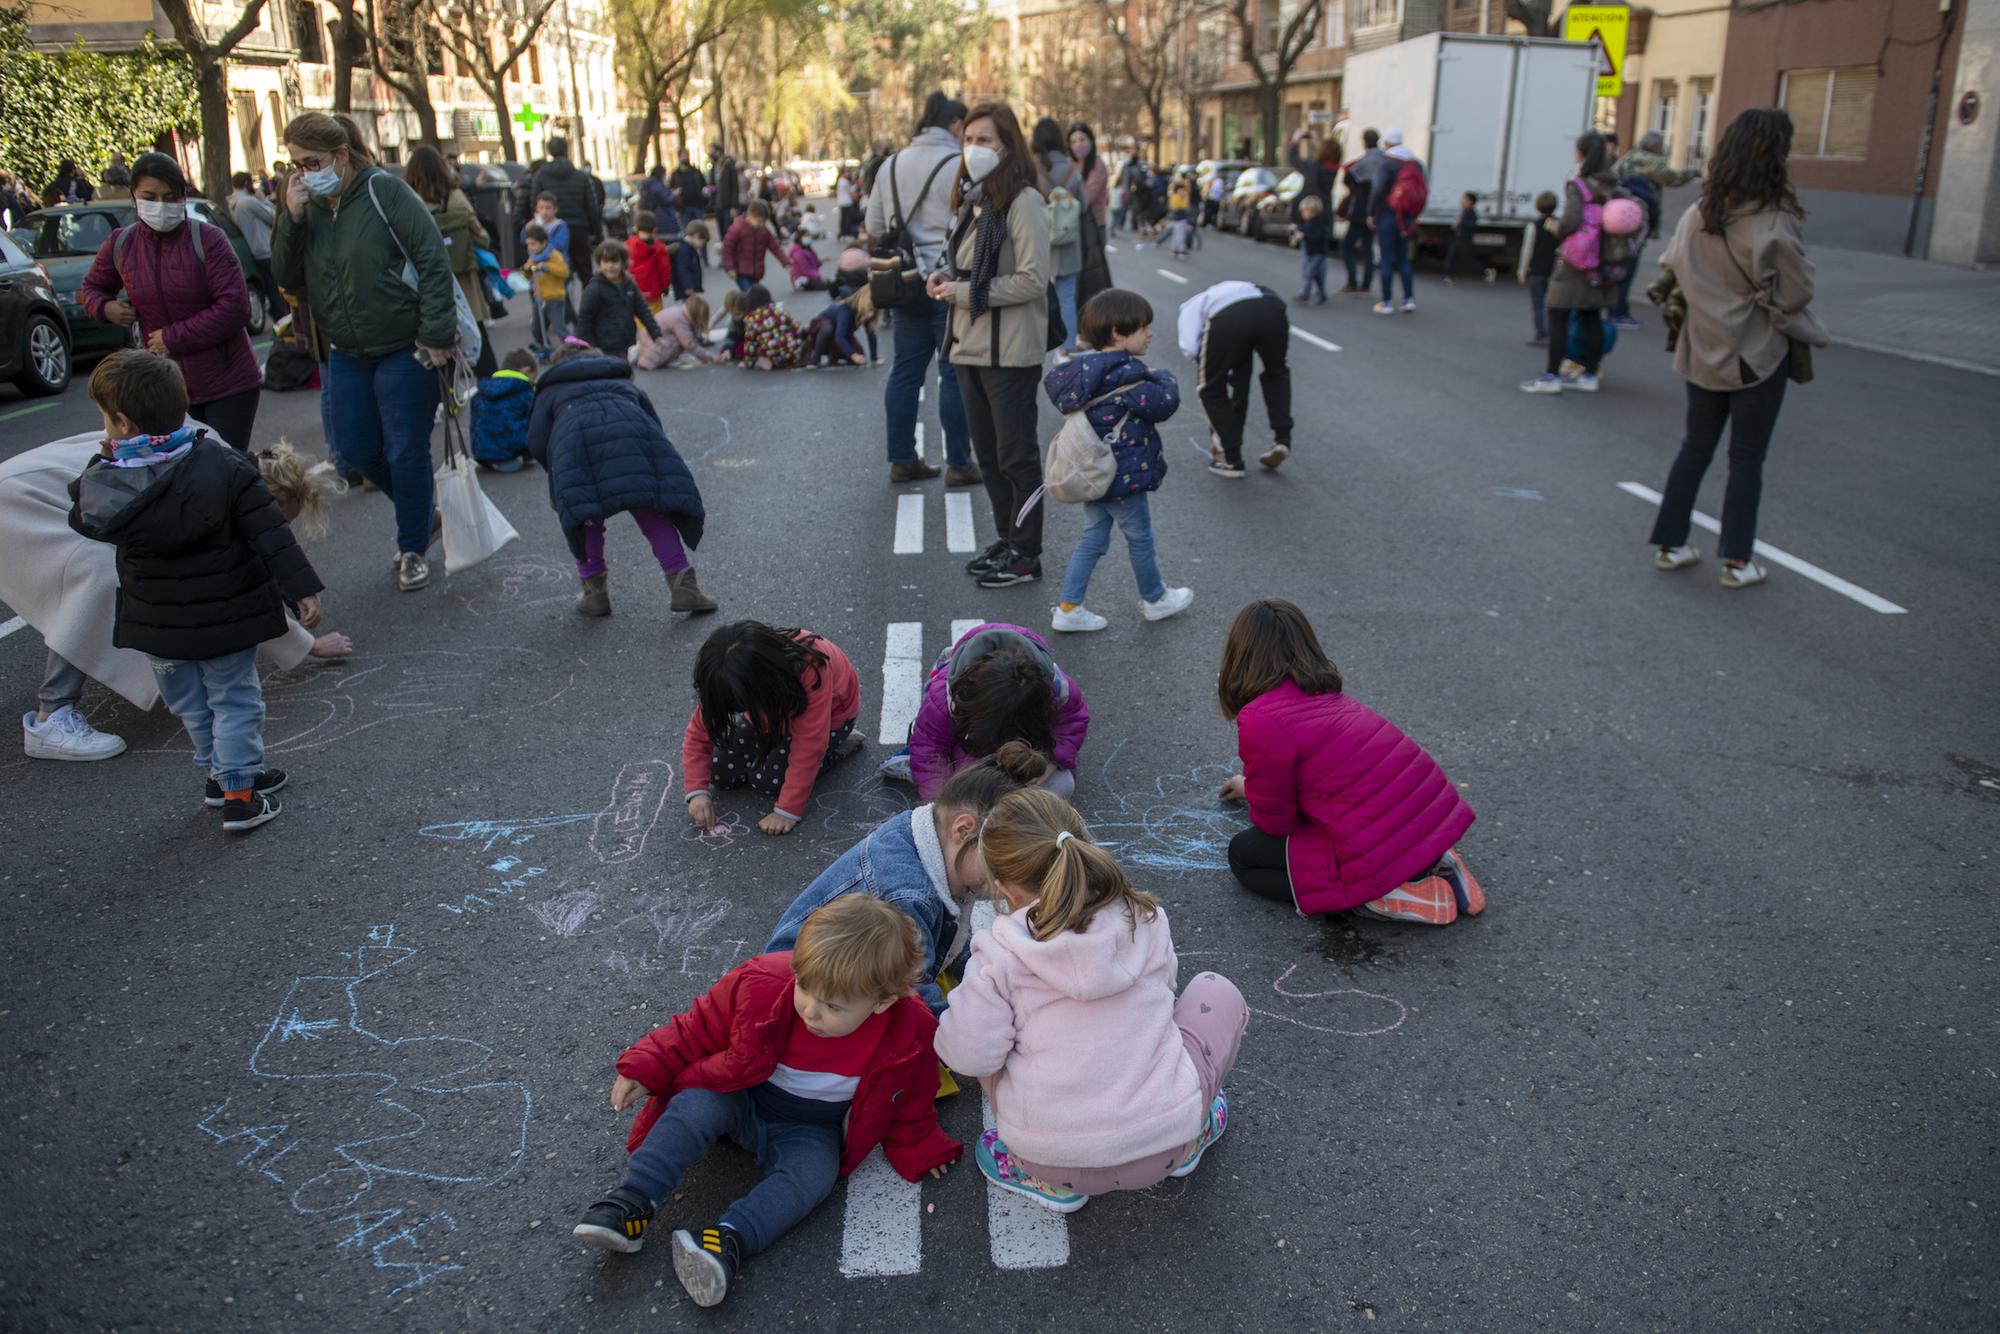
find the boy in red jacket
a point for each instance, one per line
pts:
(778, 1056)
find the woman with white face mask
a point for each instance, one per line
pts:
(176, 281)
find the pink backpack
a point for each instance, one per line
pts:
(1624, 217)
(1582, 248)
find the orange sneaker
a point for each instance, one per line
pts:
(1429, 902)
(1471, 898)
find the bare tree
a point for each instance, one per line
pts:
(660, 42)
(1273, 60)
(403, 49)
(489, 37)
(1537, 16)
(1151, 36)
(211, 81)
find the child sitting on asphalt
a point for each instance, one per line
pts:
(206, 564)
(924, 863)
(772, 339)
(809, 1060)
(681, 328)
(606, 453)
(1099, 1077)
(1124, 403)
(773, 708)
(689, 258)
(548, 290)
(1346, 811)
(500, 411)
(612, 311)
(802, 262)
(652, 265)
(998, 683)
(832, 336)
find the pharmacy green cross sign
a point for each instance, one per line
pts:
(529, 117)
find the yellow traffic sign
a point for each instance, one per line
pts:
(1606, 25)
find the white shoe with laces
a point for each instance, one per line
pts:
(1170, 603)
(1675, 558)
(1076, 620)
(1584, 384)
(1744, 575)
(66, 735)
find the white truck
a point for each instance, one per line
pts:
(1497, 116)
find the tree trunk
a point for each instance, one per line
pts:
(648, 132)
(1273, 98)
(341, 33)
(211, 81)
(497, 90)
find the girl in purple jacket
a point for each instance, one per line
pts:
(1346, 811)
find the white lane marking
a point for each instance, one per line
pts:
(960, 629)
(1021, 1233)
(883, 1231)
(18, 624)
(902, 680)
(920, 442)
(909, 525)
(1793, 563)
(1180, 278)
(1314, 339)
(958, 522)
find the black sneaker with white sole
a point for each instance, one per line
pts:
(240, 817)
(1224, 468)
(986, 559)
(1015, 569)
(618, 1222)
(707, 1266)
(268, 781)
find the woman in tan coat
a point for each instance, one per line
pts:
(996, 275)
(436, 183)
(1739, 256)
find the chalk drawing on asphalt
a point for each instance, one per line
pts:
(1176, 824)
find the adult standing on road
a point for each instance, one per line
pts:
(848, 219)
(254, 216)
(1359, 242)
(578, 203)
(1645, 163)
(1060, 172)
(1571, 291)
(997, 281)
(347, 236)
(1318, 171)
(1095, 276)
(1739, 256)
(437, 185)
(728, 187)
(913, 192)
(186, 293)
(656, 196)
(1394, 229)
(692, 189)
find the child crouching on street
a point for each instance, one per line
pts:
(206, 564)
(606, 453)
(809, 1060)
(500, 412)
(1124, 403)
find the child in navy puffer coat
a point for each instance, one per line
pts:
(500, 413)
(1125, 403)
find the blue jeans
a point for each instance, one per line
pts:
(1359, 243)
(383, 410)
(801, 1160)
(915, 341)
(1066, 301)
(1135, 520)
(1313, 270)
(1395, 258)
(221, 703)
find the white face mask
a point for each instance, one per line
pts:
(324, 182)
(980, 161)
(160, 215)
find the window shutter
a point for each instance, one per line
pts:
(1805, 103)
(1853, 106)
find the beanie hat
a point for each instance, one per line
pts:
(1392, 137)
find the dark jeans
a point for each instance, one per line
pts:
(1000, 416)
(1751, 415)
(1257, 860)
(1589, 326)
(232, 418)
(383, 411)
(1395, 260)
(914, 337)
(1461, 249)
(1621, 309)
(1257, 327)
(744, 284)
(801, 1159)
(1359, 243)
(1538, 300)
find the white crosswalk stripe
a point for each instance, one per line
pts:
(1180, 278)
(882, 1233)
(958, 522)
(909, 524)
(902, 679)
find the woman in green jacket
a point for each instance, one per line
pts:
(352, 238)
(436, 183)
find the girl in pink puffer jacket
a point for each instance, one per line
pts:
(1346, 811)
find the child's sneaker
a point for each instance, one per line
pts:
(1076, 620)
(1451, 868)
(707, 1267)
(1212, 1126)
(1275, 455)
(1744, 575)
(1409, 306)
(618, 1222)
(1384, 308)
(1585, 383)
(1224, 468)
(897, 766)
(998, 1166)
(1675, 558)
(268, 780)
(1428, 902)
(240, 817)
(1543, 384)
(1170, 603)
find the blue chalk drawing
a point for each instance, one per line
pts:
(1177, 825)
(505, 864)
(493, 831)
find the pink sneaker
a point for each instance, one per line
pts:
(1429, 901)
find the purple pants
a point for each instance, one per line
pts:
(659, 530)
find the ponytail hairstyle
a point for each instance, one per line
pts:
(1592, 151)
(1272, 641)
(757, 672)
(329, 133)
(1036, 841)
(975, 790)
(1000, 698)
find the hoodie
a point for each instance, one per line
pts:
(1077, 1034)
(935, 752)
(1394, 158)
(500, 416)
(1150, 398)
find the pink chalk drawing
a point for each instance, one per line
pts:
(728, 828)
(565, 914)
(1401, 1011)
(639, 794)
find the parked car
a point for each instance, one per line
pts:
(1239, 207)
(67, 239)
(34, 332)
(1274, 210)
(1229, 169)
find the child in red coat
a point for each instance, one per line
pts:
(809, 1060)
(1347, 812)
(652, 266)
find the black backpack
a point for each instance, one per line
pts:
(902, 285)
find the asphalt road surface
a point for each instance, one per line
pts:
(1723, 1053)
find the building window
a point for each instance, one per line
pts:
(1666, 104)
(1377, 13)
(1701, 95)
(1830, 110)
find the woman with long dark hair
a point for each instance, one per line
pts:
(1739, 257)
(1573, 291)
(438, 186)
(1095, 276)
(1060, 172)
(996, 276)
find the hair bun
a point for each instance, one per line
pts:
(1022, 762)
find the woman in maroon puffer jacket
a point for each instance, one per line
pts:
(192, 306)
(1347, 812)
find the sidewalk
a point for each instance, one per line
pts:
(1908, 307)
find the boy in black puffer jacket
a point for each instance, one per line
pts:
(206, 564)
(1118, 326)
(613, 307)
(601, 442)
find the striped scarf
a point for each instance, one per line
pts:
(989, 230)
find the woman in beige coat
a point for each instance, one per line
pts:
(436, 183)
(995, 275)
(1739, 256)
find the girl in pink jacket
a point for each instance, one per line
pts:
(1100, 1077)
(1346, 811)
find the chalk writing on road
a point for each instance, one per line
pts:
(424, 1112)
(671, 930)
(1174, 824)
(513, 583)
(638, 796)
(490, 832)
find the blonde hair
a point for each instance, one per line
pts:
(325, 132)
(1072, 877)
(863, 304)
(698, 312)
(1312, 204)
(294, 485)
(857, 948)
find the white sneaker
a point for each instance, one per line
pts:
(1542, 384)
(1384, 308)
(1170, 603)
(1740, 576)
(1409, 307)
(1675, 558)
(1081, 618)
(67, 735)
(897, 766)
(1584, 384)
